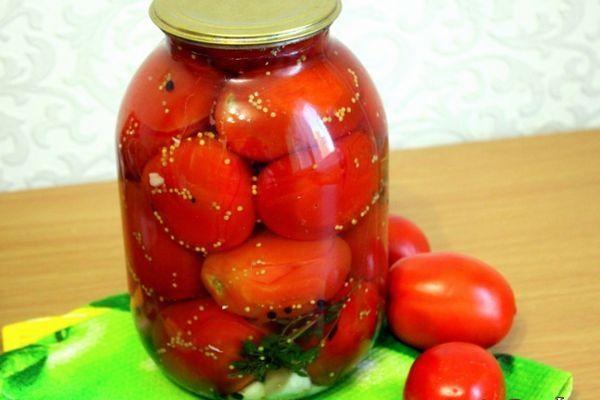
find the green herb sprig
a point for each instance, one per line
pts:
(282, 351)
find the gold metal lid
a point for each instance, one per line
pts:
(243, 22)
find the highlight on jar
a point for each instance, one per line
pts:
(253, 173)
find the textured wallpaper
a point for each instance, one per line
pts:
(448, 71)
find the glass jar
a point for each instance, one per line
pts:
(252, 155)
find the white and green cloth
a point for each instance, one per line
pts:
(97, 355)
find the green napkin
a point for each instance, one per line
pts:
(102, 358)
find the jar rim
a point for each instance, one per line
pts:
(244, 23)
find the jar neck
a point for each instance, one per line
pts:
(239, 59)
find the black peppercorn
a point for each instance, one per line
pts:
(321, 305)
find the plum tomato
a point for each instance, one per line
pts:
(369, 103)
(368, 243)
(270, 277)
(319, 192)
(197, 342)
(264, 115)
(166, 99)
(241, 60)
(350, 337)
(455, 371)
(145, 310)
(444, 297)
(405, 239)
(201, 193)
(163, 269)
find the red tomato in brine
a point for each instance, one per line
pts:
(167, 98)
(369, 103)
(165, 270)
(264, 115)
(455, 371)
(368, 243)
(196, 343)
(320, 191)
(271, 277)
(405, 239)
(351, 337)
(202, 193)
(445, 297)
(241, 60)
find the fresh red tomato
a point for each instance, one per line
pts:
(321, 191)
(270, 277)
(202, 193)
(444, 297)
(369, 103)
(350, 337)
(405, 239)
(266, 114)
(167, 98)
(197, 342)
(368, 243)
(455, 371)
(164, 269)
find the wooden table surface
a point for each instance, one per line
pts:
(529, 206)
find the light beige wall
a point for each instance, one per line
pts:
(449, 71)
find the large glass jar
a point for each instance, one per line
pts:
(252, 153)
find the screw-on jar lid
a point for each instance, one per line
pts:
(243, 22)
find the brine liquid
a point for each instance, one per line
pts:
(253, 186)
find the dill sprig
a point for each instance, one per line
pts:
(282, 351)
